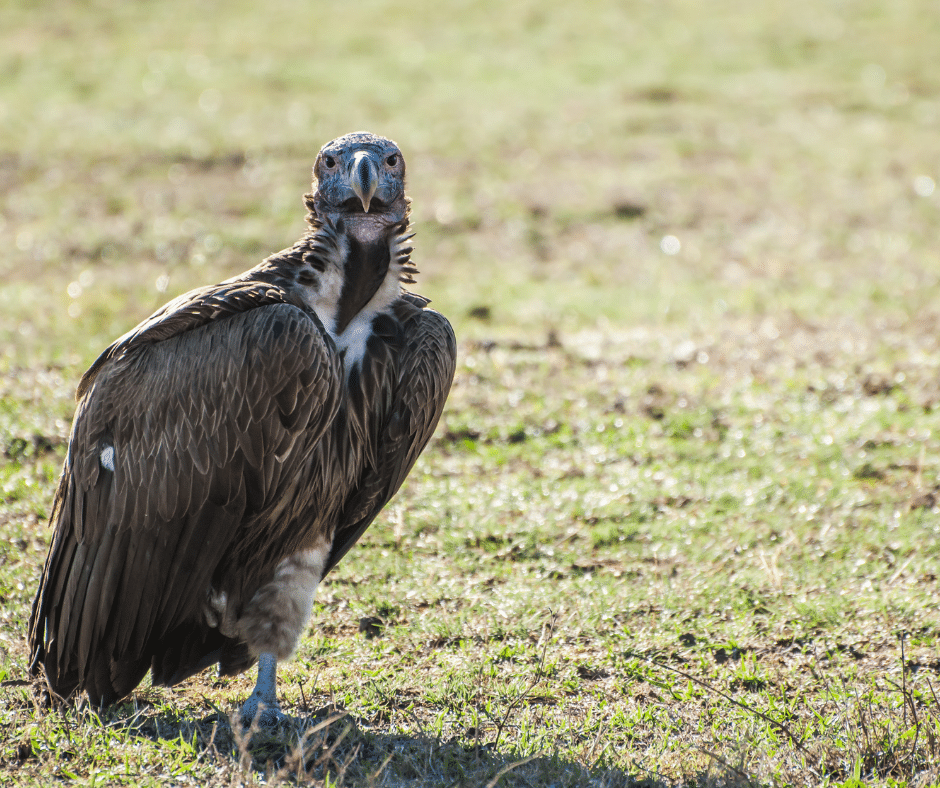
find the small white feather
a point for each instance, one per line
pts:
(107, 458)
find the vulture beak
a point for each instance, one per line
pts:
(364, 178)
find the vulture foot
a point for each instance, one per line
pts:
(254, 710)
(262, 704)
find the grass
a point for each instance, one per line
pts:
(681, 522)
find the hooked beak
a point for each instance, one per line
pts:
(364, 178)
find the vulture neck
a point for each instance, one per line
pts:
(368, 259)
(368, 284)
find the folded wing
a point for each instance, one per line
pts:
(190, 432)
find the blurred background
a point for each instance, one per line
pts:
(595, 166)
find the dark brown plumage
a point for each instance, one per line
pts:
(230, 449)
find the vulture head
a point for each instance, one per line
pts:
(360, 178)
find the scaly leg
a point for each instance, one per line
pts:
(262, 703)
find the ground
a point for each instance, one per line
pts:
(680, 524)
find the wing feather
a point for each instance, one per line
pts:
(194, 401)
(97, 580)
(425, 371)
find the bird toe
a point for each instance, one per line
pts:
(265, 715)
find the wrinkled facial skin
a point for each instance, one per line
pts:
(360, 173)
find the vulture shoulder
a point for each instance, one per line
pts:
(188, 426)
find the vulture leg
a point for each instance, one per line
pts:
(274, 621)
(262, 703)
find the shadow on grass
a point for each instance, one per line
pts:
(328, 747)
(331, 747)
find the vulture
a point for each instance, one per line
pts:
(228, 451)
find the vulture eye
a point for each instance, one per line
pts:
(329, 161)
(392, 160)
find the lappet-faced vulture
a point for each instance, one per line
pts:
(230, 449)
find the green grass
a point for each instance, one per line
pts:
(680, 525)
